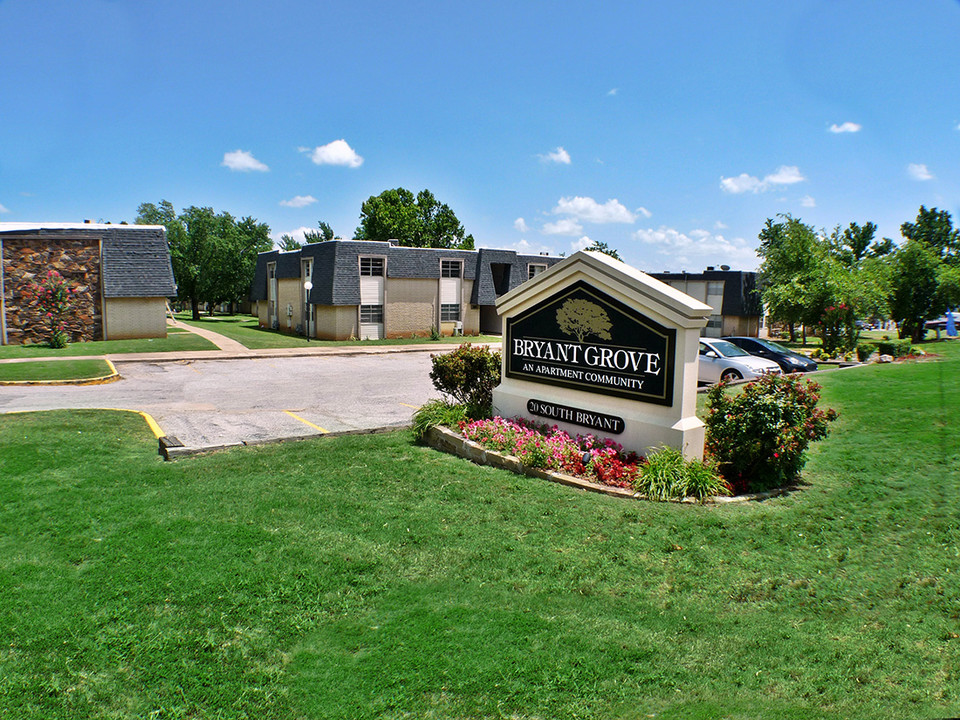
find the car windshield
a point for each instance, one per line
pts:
(775, 346)
(727, 349)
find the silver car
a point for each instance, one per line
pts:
(722, 360)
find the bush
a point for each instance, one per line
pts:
(896, 348)
(437, 413)
(468, 374)
(758, 437)
(668, 475)
(865, 350)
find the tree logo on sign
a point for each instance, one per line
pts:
(581, 318)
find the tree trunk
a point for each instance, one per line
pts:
(793, 332)
(804, 331)
(195, 308)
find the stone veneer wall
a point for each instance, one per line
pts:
(28, 260)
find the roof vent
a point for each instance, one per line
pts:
(394, 242)
(86, 222)
(709, 268)
(545, 254)
(724, 267)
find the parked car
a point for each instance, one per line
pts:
(788, 360)
(722, 360)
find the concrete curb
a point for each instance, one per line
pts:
(445, 440)
(170, 448)
(113, 376)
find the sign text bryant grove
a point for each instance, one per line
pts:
(591, 355)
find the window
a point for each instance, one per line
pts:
(535, 269)
(715, 287)
(371, 313)
(450, 268)
(449, 312)
(371, 266)
(715, 321)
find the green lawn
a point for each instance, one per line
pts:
(246, 330)
(368, 577)
(34, 370)
(174, 342)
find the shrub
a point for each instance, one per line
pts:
(52, 297)
(468, 374)
(668, 475)
(758, 437)
(896, 348)
(437, 413)
(865, 349)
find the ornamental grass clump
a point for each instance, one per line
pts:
(758, 437)
(668, 475)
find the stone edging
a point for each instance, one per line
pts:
(445, 440)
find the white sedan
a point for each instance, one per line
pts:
(722, 360)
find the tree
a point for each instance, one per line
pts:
(213, 256)
(581, 318)
(289, 242)
(925, 276)
(791, 272)
(325, 234)
(602, 247)
(416, 221)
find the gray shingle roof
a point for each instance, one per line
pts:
(336, 276)
(135, 258)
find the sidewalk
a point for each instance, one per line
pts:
(230, 349)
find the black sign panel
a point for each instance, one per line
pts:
(610, 424)
(583, 338)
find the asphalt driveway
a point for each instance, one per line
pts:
(220, 402)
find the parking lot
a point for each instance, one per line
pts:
(219, 402)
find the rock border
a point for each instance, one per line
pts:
(446, 440)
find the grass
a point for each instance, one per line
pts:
(48, 370)
(368, 577)
(176, 341)
(246, 331)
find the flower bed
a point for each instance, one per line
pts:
(549, 448)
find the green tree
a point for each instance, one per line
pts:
(213, 256)
(289, 242)
(325, 234)
(602, 247)
(791, 272)
(416, 221)
(925, 274)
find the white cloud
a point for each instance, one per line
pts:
(719, 225)
(337, 152)
(298, 234)
(613, 91)
(807, 201)
(581, 244)
(700, 247)
(243, 161)
(4, 209)
(521, 225)
(742, 183)
(643, 211)
(299, 201)
(566, 226)
(589, 210)
(847, 127)
(919, 171)
(558, 156)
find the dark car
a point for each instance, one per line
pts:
(788, 360)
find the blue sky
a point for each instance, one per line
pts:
(670, 131)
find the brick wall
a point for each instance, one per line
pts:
(28, 260)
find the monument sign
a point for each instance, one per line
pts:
(596, 346)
